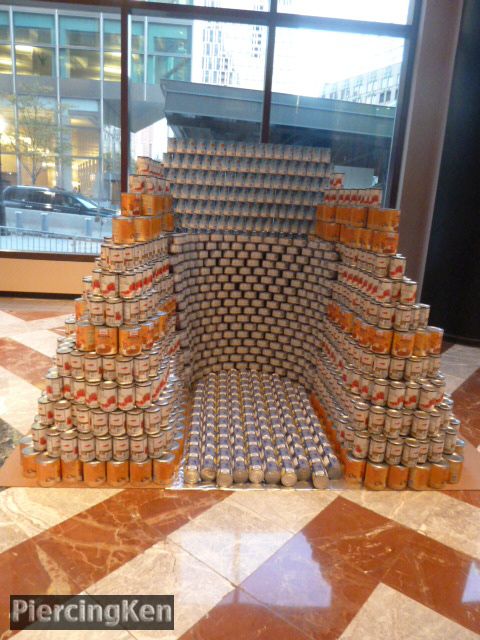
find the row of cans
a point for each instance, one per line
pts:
(114, 312)
(246, 165)
(146, 166)
(268, 150)
(345, 352)
(337, 195)
(384, 290)
(70, 445)
(244, 194)
(181, 242)
(148, 203)
(127, 340)
(132, 256)
(92, 367)
(377, 476)
(230, 210)
(154, 280)
(266, 181)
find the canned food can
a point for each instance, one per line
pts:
(141, 367)
(155, 444)
(117, 472)
(397, 477)
(92, 365)
(29, 462)
(86, 447)
(138, 448)
(39, 436)
(450, 441)
(354, 469)
(408, 291)
(379, 394)
(116, 423)
(78, 390)
(361, 441)
(360, 414)
(62, 412)
(439, 474)
(393, 451)
(402, 344)
(418, 476)
(94, 473)
(376, 476)
(106, 341)
(113, 312)
(412, 392)
(123, 230)
(120, 447)
(381, 365)
(92, 394)
(48, 470)
(134, 422)
(376, 450)
(397, 368)
(143, 394)
(130, 342)
(99, 422)
(69, 445)
(455, 468)
(427, 397)
(54, 386)
(396, 395)
(413, 368)
(376, 419)
(53, 443)
(103, 447)
(410, 452)
(436, 339)
(108, 396)
(125, 396)
(46, 410)
(126, 287)
(393, 423)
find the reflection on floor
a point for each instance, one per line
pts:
(276, 564)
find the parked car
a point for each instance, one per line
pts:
(45, 200)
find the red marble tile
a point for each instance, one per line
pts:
(367, 541)
(24, 362)
(238, 615)
(316, 592)
(467, 407)
(80, 551)
(440, 578)
(470, 497)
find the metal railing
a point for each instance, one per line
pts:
(19, 239)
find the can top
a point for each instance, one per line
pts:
(69, 434)
(397, 385)
(108, 384)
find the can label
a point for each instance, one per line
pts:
(121, 448)
(86, 449)
(360, 444)
(143, 394)
(393, 451)
(126, 397)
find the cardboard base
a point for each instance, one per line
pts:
(11, 476)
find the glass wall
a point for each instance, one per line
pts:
(349, 104)
(60, 79)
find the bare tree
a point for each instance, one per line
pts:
(41, 136)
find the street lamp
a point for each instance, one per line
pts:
(3, 126)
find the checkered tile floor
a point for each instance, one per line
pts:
(258, 564)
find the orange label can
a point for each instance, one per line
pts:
(106, 340)
(123, 231)
(131, 204)
(381, 340)
(143, 229)
(85, 336)
(403, 343)
(129, 340)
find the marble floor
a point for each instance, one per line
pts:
(260, 564)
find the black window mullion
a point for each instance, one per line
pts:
(124, 80)
(267, 82)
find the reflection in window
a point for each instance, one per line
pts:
(34, 61)
(4, 27)
(169, 38)
(5, 58)
(168, 68)
(33, 28)
(79, 32)
(82, 65)
(111, 35)
(111, 66)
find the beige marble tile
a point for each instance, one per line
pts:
(231, 539)
(453, 382)
(18, 401)
(165, 568)
(41, 340)
(389, 613)
(9, 323)
(290, 509)
(26, 512)
(452, 522)
(460, 361)
(48, 323)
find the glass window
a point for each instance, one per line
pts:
(358, 134)
(34, 61)
(111, 66)
(5, 58)
(111, 35)
(82, 65)
(33, 28)
(256, 5)
(4, 27)
(79, 32)
(393, 11)
(136, 40)
(169, 38)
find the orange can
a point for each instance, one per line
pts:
(376, 476)
(397, 477)
(131, 204)
(106, 340)
(168, 221)
(80, 308)
(385, 242)
(403, 343)
(358, 216)
(366, 239)
(439, 473)
(140, 472)
(156, 226)
(435, 341)
(381, 340)
(147, 335)
(387, 219)
(142, 228)
(123, 231)
(150, 204)
(164, 469)
(354, 469)
(422, 343)
(85, 336)
(325, 213)
(129, 340)
(366, 334)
